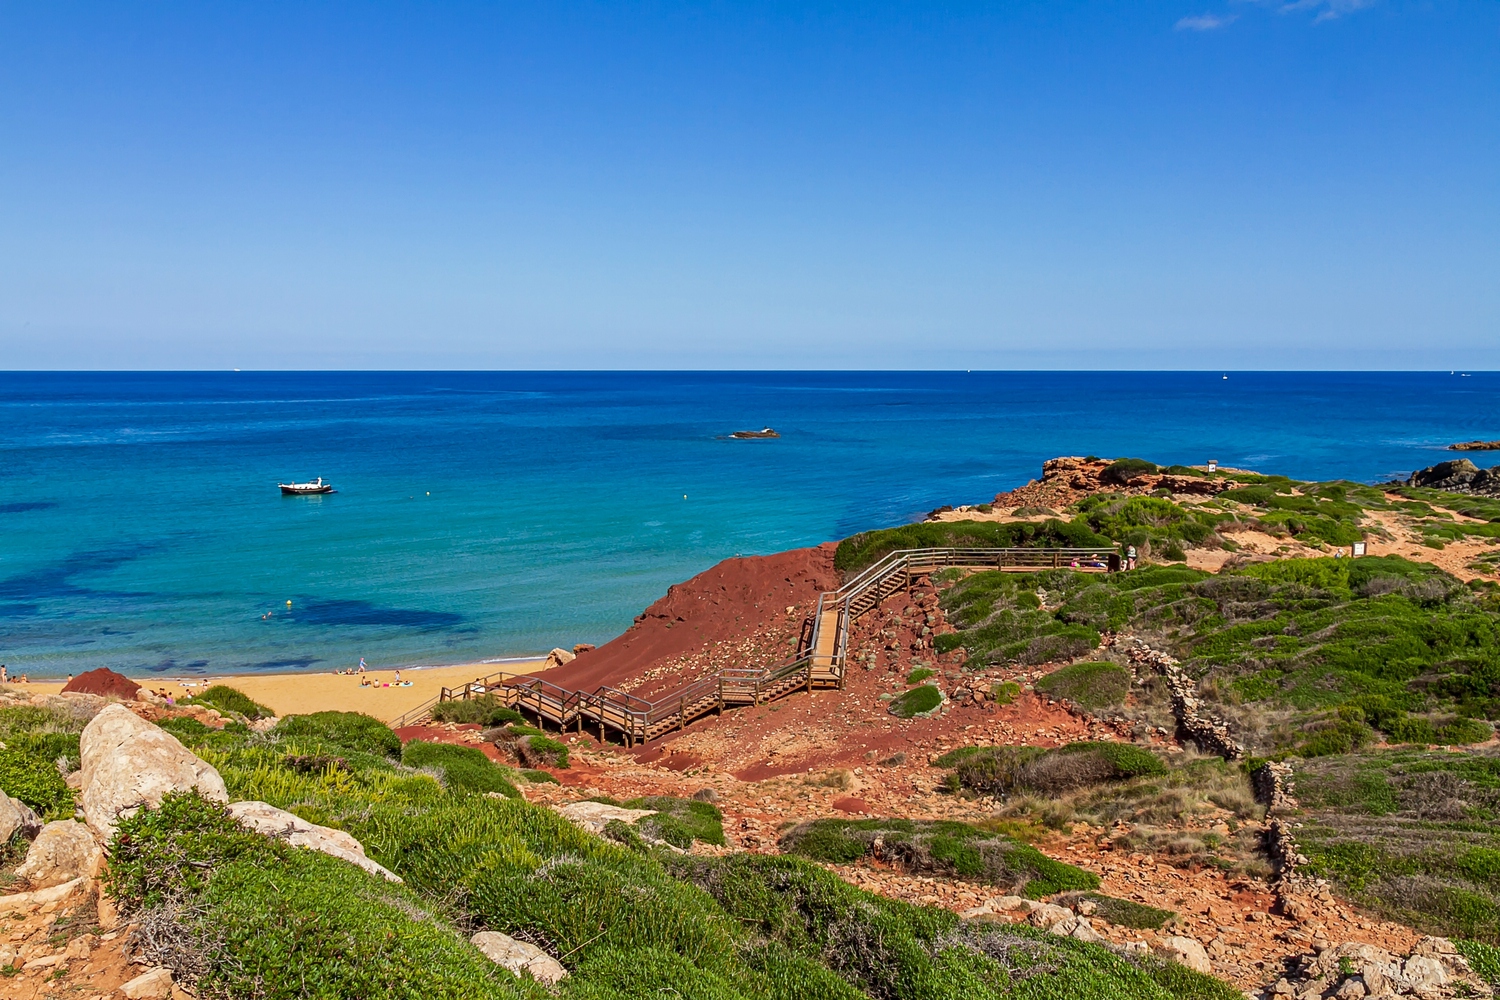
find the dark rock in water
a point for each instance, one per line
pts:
(764, 432)
(1475, 446)
(1457, 476)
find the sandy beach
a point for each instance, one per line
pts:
(299, 694)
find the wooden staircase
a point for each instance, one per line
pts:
(820, 661)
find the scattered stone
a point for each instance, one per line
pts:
(1048, 914)
(273, 822)
(63, 851)
(23, 902)
(558, 657)
(520, 957)
(155, 984)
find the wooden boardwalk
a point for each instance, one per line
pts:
(820, 661)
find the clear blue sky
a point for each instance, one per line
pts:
(1223, 183)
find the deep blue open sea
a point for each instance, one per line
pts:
(485, 515)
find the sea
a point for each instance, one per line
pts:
(490, 515)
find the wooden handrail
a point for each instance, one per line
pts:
(639, 719)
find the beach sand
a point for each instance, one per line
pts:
(299, 694)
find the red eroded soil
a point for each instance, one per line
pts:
(734, 614)
(104, 681)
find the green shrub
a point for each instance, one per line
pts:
(917, 701)
(1004, 692)
(680, 821)
(1092, 685)
(1483, 958)
(464, 769)
(191, 733)
(539, 777)
(1122, 470)
(920, 674)
(485, 710)
(28, 771)
(230, 702)
(542, 750)
(350, 730)
(943, 846)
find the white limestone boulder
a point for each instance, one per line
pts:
(129, 764)
(519, 957)
(1185, 951)
(17, 817)
(272, 822)
(63, 851)
(595, 816)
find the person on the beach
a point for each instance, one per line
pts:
(398, 677)
(1130, 557)
(3, 677)
(361, 666)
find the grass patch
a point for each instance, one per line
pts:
(1092, 685)
(1121, 912)
(920, 674)
(917, 701)
(941, 846)
(1003, 770)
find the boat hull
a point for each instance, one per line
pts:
(298, 491)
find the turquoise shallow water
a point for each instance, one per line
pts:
(484, 515)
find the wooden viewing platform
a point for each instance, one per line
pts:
(820, 661)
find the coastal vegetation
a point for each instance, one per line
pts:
(868, 547)
(235, 913)
(230, 701)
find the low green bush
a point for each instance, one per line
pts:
(917, 701)
(350, 730)
(230, 702)
(536, 750)
(539, 777)
(485, 710)
(920, 674)
(1122, 470)
(1120, 912)
(28, 772)
(942, 846)
(465, 769)
(1091, 685)
(1004, 692)
(256, 917)
(868, 547)
(1483, 958)
(680, 821)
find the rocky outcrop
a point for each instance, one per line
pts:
(559, 657)
(17, 817)
(1354, 969)
(1067, 479)
(520, 957)
(1208, 732)
(1457, 476)
(267, 819)
(63, 851)
(128, 763)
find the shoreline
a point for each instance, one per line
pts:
(304, 692)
